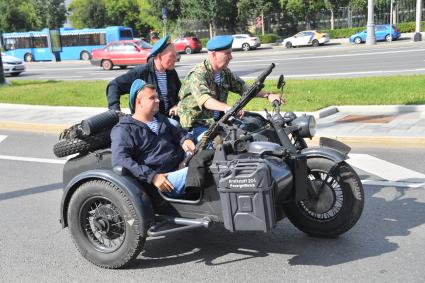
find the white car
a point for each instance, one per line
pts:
(308, 37)
(245, 42)
(12, 65)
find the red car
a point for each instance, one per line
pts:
(121, 53)
(188, 45)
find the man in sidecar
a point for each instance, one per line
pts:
(148, 145)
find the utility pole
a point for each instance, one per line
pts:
(370, 39)
(2, 80)
(391, 20)
(164, 20)
(418, 35)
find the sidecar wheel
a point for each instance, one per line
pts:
(104, 225)
(337, 206)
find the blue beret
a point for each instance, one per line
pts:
(159, 46)
(220, 42)
(135, 87)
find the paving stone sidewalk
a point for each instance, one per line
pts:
(401, 124)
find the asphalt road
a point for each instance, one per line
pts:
(332, 61)
(386, 245)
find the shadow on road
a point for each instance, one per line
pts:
(30, 191)
(371, 237)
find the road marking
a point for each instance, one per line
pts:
(392, 184)
(396, 176)
(31, 159)
(386, 170)
(59, 69)
(2, 138)
(334, 56)
(354, 73)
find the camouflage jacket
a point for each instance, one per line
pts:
(198, 86)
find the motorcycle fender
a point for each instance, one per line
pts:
(325, 152)
(135, 192)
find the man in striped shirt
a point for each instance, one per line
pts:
(148, 145)
(158, 71)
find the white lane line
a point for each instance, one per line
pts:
(384, 169)
(392, 184)
(2, 138)
(31, 159)
(356, 73)
(59, 69)
(333, 56)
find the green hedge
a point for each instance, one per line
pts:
(268, 38)
(409, 27)
(343, 32)
(347, 32)
(204, 41)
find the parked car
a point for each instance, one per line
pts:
(121, 53)
(188, 45)
(307, 37)
(382, 32)
(245, 42)
(12, 65)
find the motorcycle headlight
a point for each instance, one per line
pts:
(306, 126)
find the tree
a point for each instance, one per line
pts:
(332, 6)
(173, 8)
(88, 13)
(249, 9)
(303, 8)
(17, 15)
(214, 12)
(51, 13)
(57, 14)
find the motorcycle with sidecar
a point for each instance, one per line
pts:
(261, 171)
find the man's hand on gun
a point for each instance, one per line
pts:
(240, 113)
(188, 146)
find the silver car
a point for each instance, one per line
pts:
(12, 65)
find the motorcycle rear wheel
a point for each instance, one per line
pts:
(338, 203)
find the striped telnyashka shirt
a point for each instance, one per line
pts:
(163, 92)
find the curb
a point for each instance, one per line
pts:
(358, 141)
(30, 127)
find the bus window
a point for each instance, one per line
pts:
(126, 34)
(10, 44)
(40, 42)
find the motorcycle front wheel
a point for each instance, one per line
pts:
(336, 201)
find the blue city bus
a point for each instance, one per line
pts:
(76, 44)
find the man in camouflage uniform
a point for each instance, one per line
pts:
(204, 92)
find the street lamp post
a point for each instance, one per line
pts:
(391, 20)
(370, 39)
(418, 35)
(2, 80)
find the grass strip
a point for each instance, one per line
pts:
(301, 95)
